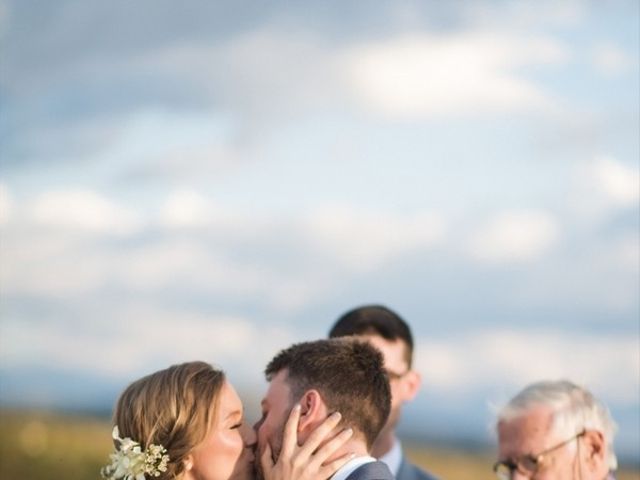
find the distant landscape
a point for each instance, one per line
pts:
(44, 445)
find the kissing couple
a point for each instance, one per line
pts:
(326, 402)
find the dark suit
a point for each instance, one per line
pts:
(371, 471)
(408, 471)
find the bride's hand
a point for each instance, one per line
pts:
(303, 462)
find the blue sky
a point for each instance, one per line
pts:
(216, 180)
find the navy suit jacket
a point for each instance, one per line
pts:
(371, 471)
(408, 471)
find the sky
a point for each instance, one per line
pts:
(217, 180)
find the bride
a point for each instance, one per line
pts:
(186, 423)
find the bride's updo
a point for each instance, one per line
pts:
(173, 408)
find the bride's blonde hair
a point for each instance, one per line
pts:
(173, 408)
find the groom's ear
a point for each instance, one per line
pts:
(313, 410)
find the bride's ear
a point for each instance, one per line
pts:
(313, 410)
(188, 466)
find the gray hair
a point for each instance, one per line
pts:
(574, 409)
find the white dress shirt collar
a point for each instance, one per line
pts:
(350, 466)
(393, 458)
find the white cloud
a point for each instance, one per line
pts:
(187, 208)
(196, 249)
(43, 255)
(515, 236)
(6, 205)
(609, 59)
(140, 339)
(419, 75)
(413, 75)
(365, 240)
(168, 262)
(502, 358)
(190, 263)
(59, 277)
(176, 263)
(625, 253)
(63, 265)
(293, 67)
(521, 16)
(82, 210)
(194, 145)
(619, 182)
(603, 185)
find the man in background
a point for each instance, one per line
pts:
(389, 333)
(325, 377)
(555, 430)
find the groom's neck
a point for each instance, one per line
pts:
(355, 446)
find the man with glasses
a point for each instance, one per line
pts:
(555, 430)
(385, 330)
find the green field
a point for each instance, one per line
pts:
(44, 446)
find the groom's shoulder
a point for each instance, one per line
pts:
(372, 471)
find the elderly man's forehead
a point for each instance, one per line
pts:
(529, 427)
(539, 417)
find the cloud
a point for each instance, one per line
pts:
(178, 263)
(194, 247)
(604, 185)
(417, 75)
(364, 240)
(625, 253)
(294, 69)
(620, 183)
(410, 76)
(524, 15)
(509, 359)
(608, 59)
(6, 205)
(62, 266)
(514, 236)
(48, 270)
(139, 339)
(82, 210)
(191, 248)
(187, 208)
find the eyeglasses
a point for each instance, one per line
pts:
(527, 464)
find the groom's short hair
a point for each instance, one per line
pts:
(349, 376)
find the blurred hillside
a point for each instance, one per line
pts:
(41, 445)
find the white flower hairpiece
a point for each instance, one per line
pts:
(130, 462)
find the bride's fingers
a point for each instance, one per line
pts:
(290, 435)
(332, 446)
(320, 433)
(330, 468)
(266, 459)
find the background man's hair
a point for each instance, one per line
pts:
(574, 409)
(378, 320)
(349, 376)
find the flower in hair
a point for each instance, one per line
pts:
(130, 462)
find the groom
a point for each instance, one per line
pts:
(326, 376)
